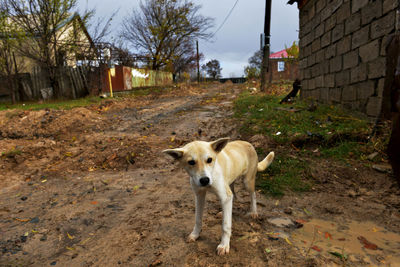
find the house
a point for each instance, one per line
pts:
(282, 67)
(342, 51)
(39, 69)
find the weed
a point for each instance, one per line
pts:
(11, 153)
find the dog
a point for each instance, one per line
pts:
(215, 166)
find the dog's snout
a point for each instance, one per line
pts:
(204, 181)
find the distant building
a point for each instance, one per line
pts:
(282, 67)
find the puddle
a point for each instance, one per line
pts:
(362, 242)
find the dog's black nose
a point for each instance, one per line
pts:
(204, 181)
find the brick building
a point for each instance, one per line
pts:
(342, 50)
(281, 68)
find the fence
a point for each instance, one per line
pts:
(72, 83)
(126, 78)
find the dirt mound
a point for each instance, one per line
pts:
(47, 123)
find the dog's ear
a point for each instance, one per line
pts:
(175, 153)
(219, 144)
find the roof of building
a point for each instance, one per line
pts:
(280, 54)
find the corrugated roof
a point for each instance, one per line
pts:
(280, 54)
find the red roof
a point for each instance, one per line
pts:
(280, 54)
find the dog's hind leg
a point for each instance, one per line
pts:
(232, 186)
(200, 198)
(249, 182)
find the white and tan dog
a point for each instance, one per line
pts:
(216, 165)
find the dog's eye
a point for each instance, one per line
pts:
(191, 162)
(209, 160)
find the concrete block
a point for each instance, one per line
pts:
(311, 84)
(330, 23)
(343, 12)
(337, 32)
(377, 68)
(330, 51)
(320, 56)
(326, 39)
(360, 37)
(335, 64)
(320, 4)
(357, 5)
(365, 89)
(374, 106)
(324, 95)
(350, 60)
(383, 25)
(371, 11)
(319, 81)
(359, 73)
(335, 94)
(329, 80)
(370, 51)
(381, 86)
(316, 45)
(317, 70)
(389, 5)
(344, 45)
(319, 30)
(353, 23)
(311, 60)
(349, 93)
(325, 66)
(342, 78)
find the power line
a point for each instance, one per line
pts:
(227, 17)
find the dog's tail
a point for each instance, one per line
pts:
(262, 165)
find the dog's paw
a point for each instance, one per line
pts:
(222, 249)
(192, 238)
(253, 215)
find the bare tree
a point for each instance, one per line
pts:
(213, 69)
(45, 23)
(164, 30)
(8, 65)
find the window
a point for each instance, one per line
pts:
(281, 66)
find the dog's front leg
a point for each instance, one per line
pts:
(200, 197)
(226, 201)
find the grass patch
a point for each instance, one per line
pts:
(54, 104)
(259, 115)
(284, 174)
(304, 136)
(11, 153)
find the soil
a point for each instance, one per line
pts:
(90, 187)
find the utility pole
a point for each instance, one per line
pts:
(198, 61)
(266, 49)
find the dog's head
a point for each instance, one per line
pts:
(198, 159)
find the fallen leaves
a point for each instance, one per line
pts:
(316, 248)
(22, 220)
(366, 243)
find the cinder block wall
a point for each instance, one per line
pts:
(342, 51)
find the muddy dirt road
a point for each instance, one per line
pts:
(90, 187)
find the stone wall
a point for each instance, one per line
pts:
(342, 51)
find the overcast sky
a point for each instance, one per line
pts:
(240, 36)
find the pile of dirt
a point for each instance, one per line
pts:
(48, 123)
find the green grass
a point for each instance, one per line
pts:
(81, 102)
(11, 153)
(328, 132)
(53, 104)
(284, 174)
(260, 116)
